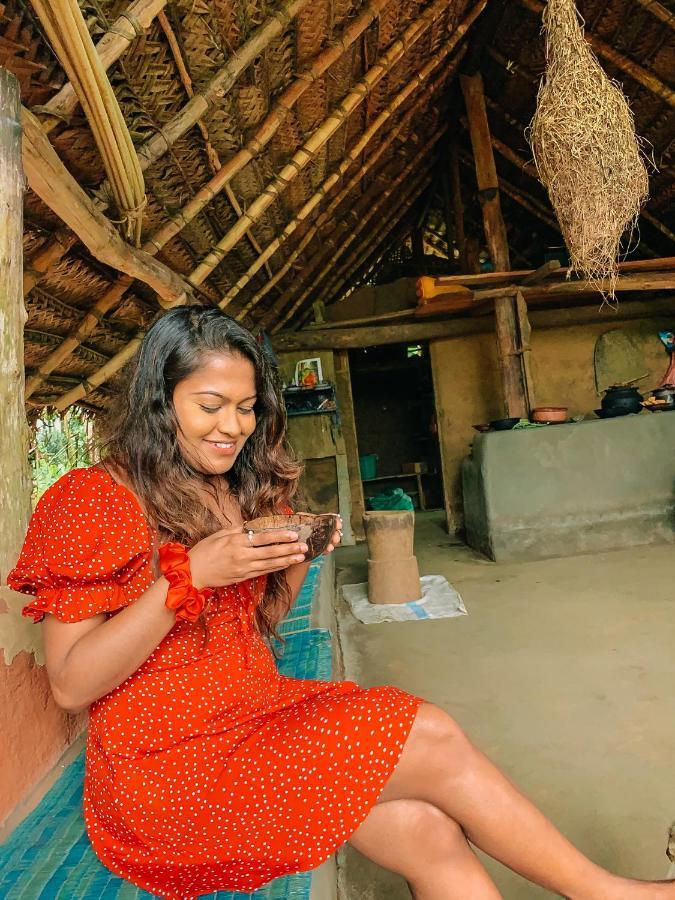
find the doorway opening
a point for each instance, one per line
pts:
(396, 425)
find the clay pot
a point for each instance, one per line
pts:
(394, 580)
(389, 533)
(550, 414)
(315, 530)
(628, 399)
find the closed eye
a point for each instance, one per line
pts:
(246, 410)
(209, 409)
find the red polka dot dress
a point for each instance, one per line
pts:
(206, 769)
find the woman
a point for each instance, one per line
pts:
(206, 769)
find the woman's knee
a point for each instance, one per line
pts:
(406, 836)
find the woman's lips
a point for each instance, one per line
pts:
(223, 448)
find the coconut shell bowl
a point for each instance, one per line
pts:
(314, 530)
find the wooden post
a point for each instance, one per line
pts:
(343, 383)
(510, 318)
(458, 207)
(15, 478)
(486, 172)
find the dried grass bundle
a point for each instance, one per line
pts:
(585, 148)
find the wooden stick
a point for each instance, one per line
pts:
(122, 33)
(486, 172)
(637, 72)
(320, 137)
(344, 166)
(52, 182)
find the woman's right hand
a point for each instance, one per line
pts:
(229, 556)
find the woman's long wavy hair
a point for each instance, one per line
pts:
(141, 440)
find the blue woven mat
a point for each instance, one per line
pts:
(48, 857)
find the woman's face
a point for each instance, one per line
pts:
(215, 411)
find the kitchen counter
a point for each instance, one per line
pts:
(575, 488)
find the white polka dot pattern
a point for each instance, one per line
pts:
(206, 769)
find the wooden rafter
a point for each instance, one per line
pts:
(52, 182)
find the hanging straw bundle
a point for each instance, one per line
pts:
(585, 148)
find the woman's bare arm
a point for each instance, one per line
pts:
(87, 659)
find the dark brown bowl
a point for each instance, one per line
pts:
(315, 530)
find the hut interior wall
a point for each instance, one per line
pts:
(468, 391)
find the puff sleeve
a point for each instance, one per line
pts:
(87, 549)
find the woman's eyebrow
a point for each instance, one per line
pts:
(222, 396)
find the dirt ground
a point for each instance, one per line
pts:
(563, 672)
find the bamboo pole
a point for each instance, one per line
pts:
(344, 166)
(49, 256)
(637, 72)
(221, 83)
(320, 137)
(361, 225)
(122, 33)
(657, 9)
(212, 155)
(51, 181)
(15, 478)
(114, 364)
(68, 34)
(270, 125)
(84, 328)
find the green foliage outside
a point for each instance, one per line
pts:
(60, 442)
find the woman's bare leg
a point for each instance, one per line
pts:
(419, 842)
(440, 765)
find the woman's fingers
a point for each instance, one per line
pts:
(265, 538)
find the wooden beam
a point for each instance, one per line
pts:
(627, 66)
(52, 182)
(458, 205)
(486, 172)
(354, 338)
(15, 477)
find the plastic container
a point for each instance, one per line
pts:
(368, 465)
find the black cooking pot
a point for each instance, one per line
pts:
(627, 399)
(667, 393)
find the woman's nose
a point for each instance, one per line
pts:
(228, 423)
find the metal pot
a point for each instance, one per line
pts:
(627, 398)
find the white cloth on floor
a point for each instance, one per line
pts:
(439, 601)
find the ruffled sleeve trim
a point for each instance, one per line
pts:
(86, 545)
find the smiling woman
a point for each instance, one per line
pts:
(215, 410)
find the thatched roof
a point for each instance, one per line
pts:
(314, 133)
